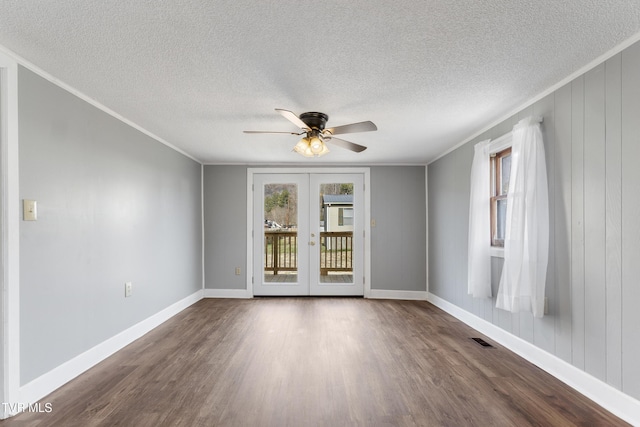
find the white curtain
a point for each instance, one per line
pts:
(526, 245)
(479, 267)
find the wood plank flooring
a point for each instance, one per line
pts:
(315, 362)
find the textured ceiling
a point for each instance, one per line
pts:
(196, 73)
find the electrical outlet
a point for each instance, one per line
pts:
(546, 305)
(128, 289)
(238, 271)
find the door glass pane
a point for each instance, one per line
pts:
(336, 233)
(280, 233)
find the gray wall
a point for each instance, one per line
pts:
(114, 206)
(2, 245)
(398, 242)
(225, 226)
(592, 140)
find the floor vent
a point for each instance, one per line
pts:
(482, 342)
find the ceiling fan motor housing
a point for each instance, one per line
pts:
(314, 120)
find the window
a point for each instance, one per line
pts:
(500, 171)
(345, 216)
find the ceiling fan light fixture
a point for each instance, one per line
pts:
(317, 146)
(312, 146)
(324, 150)
(302, 147)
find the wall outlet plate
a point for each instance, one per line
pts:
(128, 289)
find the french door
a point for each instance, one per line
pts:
(308, 234)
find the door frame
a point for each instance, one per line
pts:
(365, 171)
(9, 235)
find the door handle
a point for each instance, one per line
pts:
(312, 243)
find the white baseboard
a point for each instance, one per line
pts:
(612, 399)
(57, 377)
(373, 294)
(227, 293)
(406, 295)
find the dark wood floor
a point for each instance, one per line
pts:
(314, 362)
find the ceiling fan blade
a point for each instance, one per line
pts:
(289, 115)
(268, 131)
(346, 144)
(352, 128)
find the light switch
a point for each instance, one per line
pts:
(30, 210)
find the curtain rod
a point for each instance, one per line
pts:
(537, 119)
(496, 144)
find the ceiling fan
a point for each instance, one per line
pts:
(312, 125)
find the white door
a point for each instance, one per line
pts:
(308, 234)
(337, 227)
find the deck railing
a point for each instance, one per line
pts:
(336, 251)
(281, 251)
